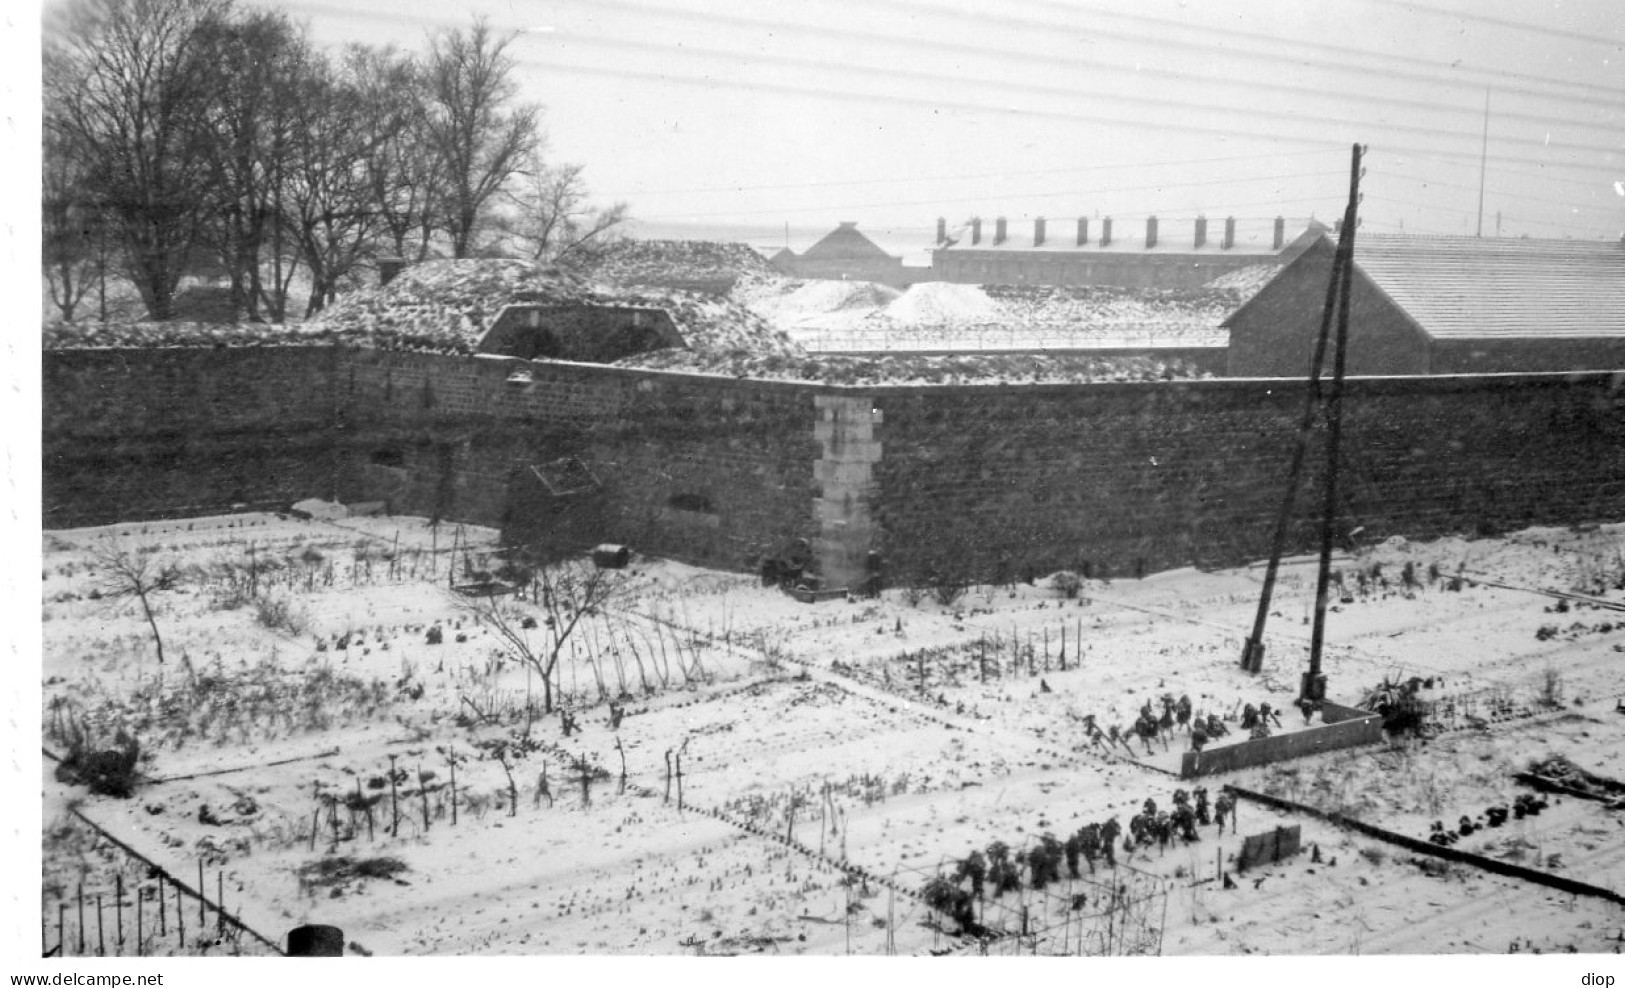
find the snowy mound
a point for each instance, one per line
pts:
(715, 325)
(661, 262)
(445, 305)
(933, 303)
(822, 297)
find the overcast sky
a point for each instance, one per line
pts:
(893, 112)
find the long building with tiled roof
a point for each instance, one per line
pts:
(1444, 305)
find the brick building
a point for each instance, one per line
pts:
(1444, 305)
(1102, 252)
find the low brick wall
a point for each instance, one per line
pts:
(1345, 727)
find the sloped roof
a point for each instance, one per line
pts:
(1473, 288)
(844, 243)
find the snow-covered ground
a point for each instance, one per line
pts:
(935, 315)
(835, 757)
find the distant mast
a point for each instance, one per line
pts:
(1483, 160)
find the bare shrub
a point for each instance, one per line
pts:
(277, 614)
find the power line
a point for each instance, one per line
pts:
(847, 34)
(960, 176)
(937, 104)
(1322, 47)
(1221, 208)
(1411, 7)
(1003, 86)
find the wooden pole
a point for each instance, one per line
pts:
(394, 804)
(220, 899)
(202, 920)
(140, 932)
(118, 907)
(81, 919)
(163, 909)
(101, 935)
(423, 793)
(180, 917)
(453, 763)
(61, 922)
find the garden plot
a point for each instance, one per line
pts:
(340, 736)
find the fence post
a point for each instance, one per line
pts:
(118, 907)
(202, 920)
(81, 919)
(101, 935)
(140, 946)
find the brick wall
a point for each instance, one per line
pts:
(707, 469)
(1109, 479)
(1118, 479)
(148, 433)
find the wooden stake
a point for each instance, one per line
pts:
(394, 804)
(163, 909)
(202, 920)
(180, 917)
(61, 922)
(453, 763)
(423, 792)
(140, 932)
(101, 937)
(220, 899)
(81, 919)
(118, 907)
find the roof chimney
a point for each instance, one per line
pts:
(942, 230)
(1280, 232)
(1106, 232)
(1083, 230)
(1229, 232)
(998, 231)
(1201, 231)
(1150, 232)
(388, 268)
(975, 230)
(1038, 232)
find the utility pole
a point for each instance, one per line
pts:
(1483, 160)
(1313, 688)
(1252, 652)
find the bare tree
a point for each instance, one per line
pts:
(403, 171)
(127, 87)
(475, 127)
(550, 217)
(566, 593)
(327, 205)
(260, 59)
(73, 236)
(132, 572)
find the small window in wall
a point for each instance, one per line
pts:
(691, 502)
(388, 458)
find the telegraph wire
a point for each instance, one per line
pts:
(915, 43)
(1068, 92)
(1498, 75)
(1412, 7)
(1077, 169)
(935, 104)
